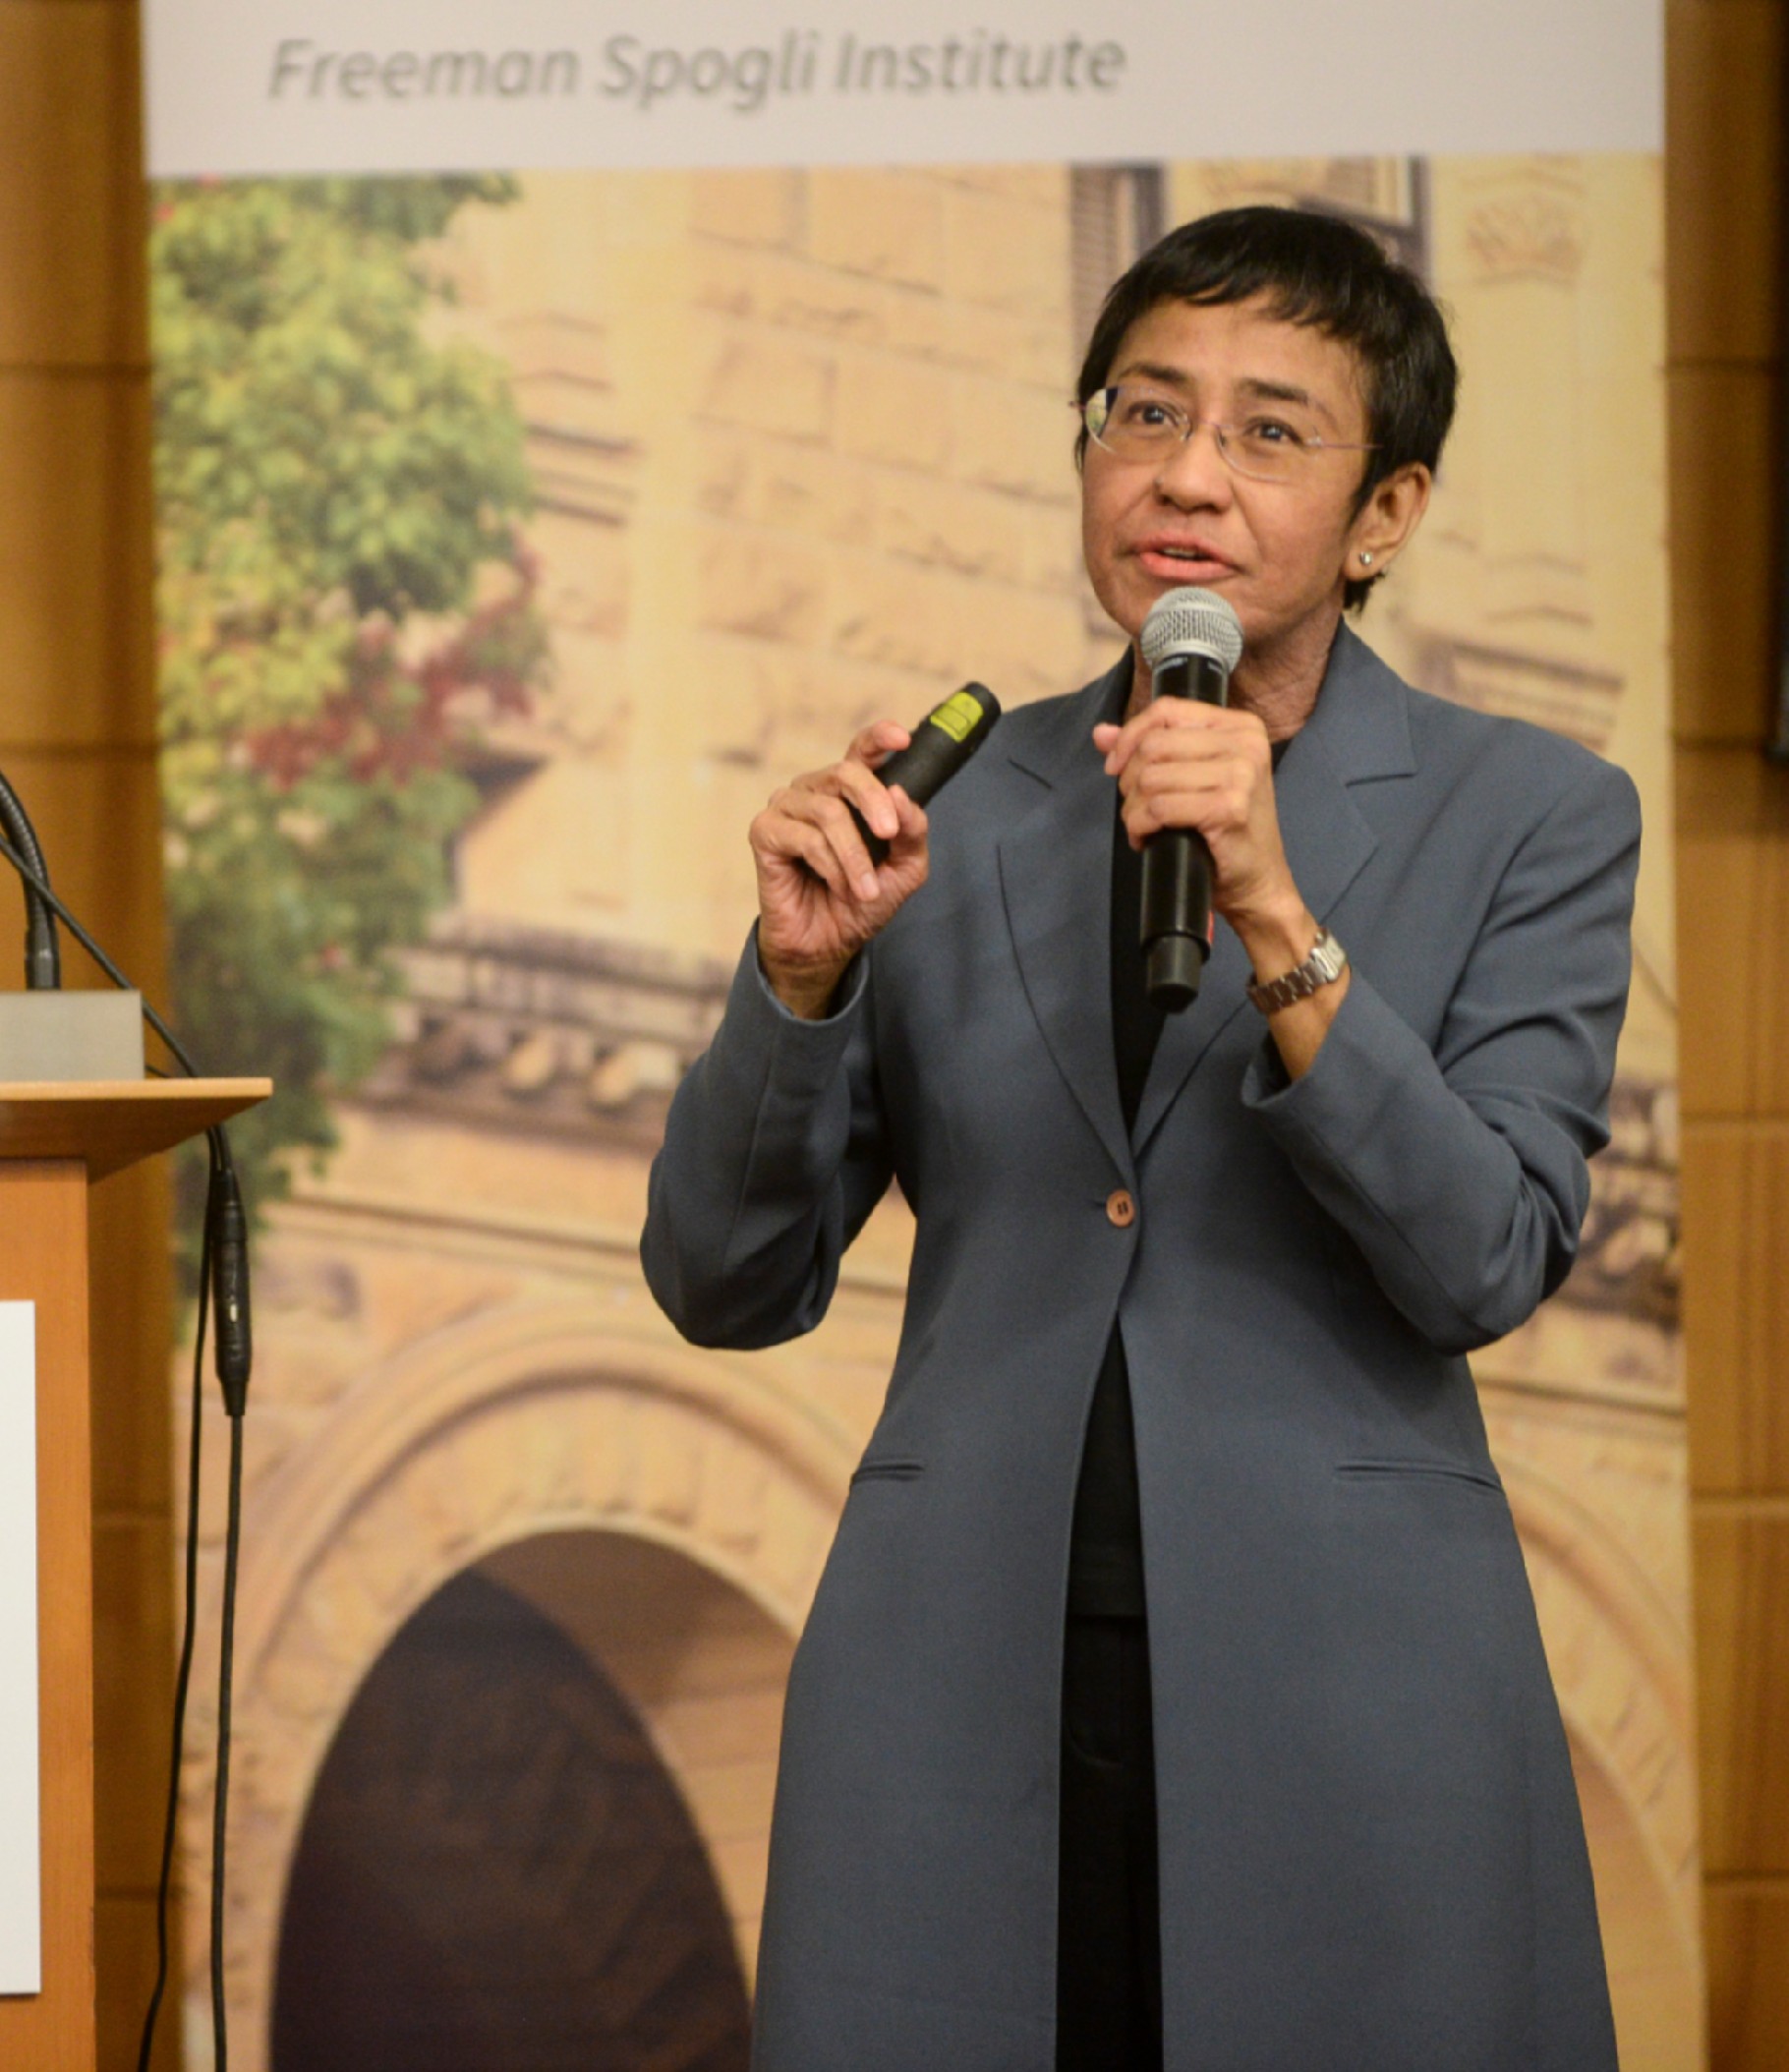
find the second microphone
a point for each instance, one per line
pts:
(940, 745)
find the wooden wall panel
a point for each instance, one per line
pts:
(132, 1327)
(132, 1614)
(1742, 1600)
(1723, 550)
(124, 1937)
(71, 153)
(1736, 1304)
(1748, 1930)
(76, 665)
(1733, 928)
(1722, 62)
(1724, 178)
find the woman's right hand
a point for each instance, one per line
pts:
(820, 898)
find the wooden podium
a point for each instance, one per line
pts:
(55, 1140)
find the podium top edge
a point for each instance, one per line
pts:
(106, 1124)
(243, 1092)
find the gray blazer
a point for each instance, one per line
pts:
(1371, 1853)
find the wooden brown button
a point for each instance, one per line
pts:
(1121, 1208)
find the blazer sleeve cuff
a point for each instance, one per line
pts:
(752, 1005)
(1333, 1106)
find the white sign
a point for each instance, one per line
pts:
(239, 86)
(20, 1891)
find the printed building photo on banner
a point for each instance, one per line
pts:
(518, 535)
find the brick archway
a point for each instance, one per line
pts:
(525, 1423)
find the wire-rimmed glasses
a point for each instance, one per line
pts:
(1134, 421)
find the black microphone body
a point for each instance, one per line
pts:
(1191, 641)
(1177, 924)
(941, 744)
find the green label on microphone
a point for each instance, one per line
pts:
(958, 716)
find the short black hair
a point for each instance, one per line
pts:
(1314, 270)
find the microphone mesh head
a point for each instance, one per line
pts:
(1192, 621)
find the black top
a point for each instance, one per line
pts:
(1106, 1550)
(1106, 1555)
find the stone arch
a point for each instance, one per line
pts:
(519, 1424)
(496, 1868)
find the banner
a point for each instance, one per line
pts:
(468, 85)
(519, 531)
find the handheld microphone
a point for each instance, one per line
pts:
(1191, 640)
(941, 743)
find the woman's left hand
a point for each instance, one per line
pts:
(1180, 764)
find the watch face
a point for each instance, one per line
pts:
(1325, 964)
(1319, 966)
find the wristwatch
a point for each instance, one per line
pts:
(1325, 964)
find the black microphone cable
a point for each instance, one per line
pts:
(42, 952)
(223, 1287)
(183, 1677)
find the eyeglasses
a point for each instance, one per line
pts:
(1138, 423)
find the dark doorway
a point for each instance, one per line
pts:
(496, 1874)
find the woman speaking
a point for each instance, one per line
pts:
(1173, 1695)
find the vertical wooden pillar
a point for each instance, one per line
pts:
(1725, 70)
(77, 739)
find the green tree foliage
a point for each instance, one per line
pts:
(342, 596)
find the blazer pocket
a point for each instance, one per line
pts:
(888, 1469)
(1414, 1471)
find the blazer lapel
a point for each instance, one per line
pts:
(1358, 732)
(1056, 880)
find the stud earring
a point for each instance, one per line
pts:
(1366, 559)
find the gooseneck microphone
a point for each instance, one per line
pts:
(42, 954)
(941, 744)
(1191, 640)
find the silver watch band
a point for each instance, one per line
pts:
(1325, 964)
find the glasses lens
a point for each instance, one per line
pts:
(1135, 422)
(1263, 450)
